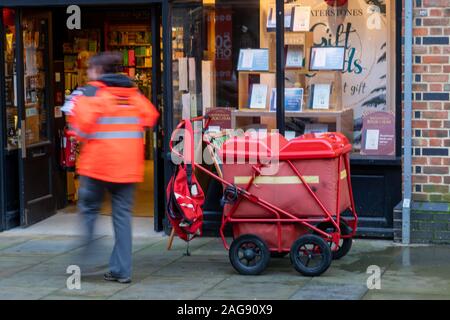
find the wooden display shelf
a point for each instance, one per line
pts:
(265, 77)
(343, 119)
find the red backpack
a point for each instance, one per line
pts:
(185, 197)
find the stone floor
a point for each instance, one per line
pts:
(33, 266)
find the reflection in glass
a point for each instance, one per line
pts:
(10, 78)
(34, 46)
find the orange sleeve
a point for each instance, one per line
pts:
(149, 114)
(84, 117)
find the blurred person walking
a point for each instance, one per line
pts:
(109, 117)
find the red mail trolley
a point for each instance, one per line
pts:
(285, 197)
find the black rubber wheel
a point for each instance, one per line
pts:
(249, 254)
(310, 255)
(277, 255)
(344, 244)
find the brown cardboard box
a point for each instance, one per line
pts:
(32, 125)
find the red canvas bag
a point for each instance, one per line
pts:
(185, 196)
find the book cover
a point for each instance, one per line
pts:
(258, 96)
(220, 117)
(273, 100)
(271, 24)
(301, 18)
(125, 57)
(131, 58)
(327, 58)
(253, 60)
(321, 96)
(294, 56)
(293, 99)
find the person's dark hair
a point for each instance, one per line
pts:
(108, 62)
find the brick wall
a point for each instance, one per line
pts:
(431, 101)
(430, 211)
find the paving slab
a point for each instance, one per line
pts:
(175, 288)
(409, 282)
(254, 287)
(6, 242)
(23, 293)
(31, 281)
(399, 295)
(315, 290)
(46, 246)
(92, 287)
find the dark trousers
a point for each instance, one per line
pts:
(90, 197)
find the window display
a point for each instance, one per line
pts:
(336, 66)
(10, 79)
(35, 35)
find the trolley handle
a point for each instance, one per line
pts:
(180, 126)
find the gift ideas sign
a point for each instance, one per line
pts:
(361, 27)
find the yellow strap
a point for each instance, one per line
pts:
(276, 179)
(282, 179)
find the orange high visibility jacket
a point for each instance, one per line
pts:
(109, 118)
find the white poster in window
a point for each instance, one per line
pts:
(58, 112)
(183, 74)
(372, 139)
(186, 103)
(302, 17)
(192, 76)
(193, 105)
(321, 96)
(258, 96)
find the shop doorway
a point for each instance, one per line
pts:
(41, 61)
(26, 110)
(135, 33)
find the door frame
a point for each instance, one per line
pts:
(22, 159)
(168, 101)
(2, 127)
(158, 161)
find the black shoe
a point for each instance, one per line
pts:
(110, 277)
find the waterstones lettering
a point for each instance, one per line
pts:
(337, 13)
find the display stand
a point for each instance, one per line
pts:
(316, 107)
(134, 42)
(338, 120)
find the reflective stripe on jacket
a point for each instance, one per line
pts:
(110, 124)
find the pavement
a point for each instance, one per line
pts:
(34, 262)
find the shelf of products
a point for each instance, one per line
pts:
(81, 45)
(313, 91)
(134, 42)
(313, 121)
